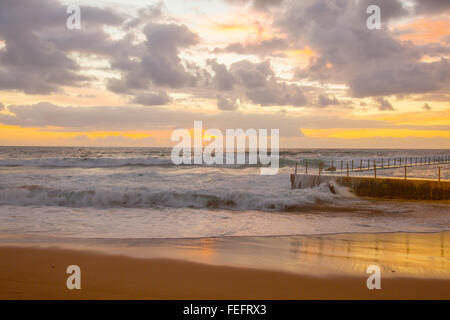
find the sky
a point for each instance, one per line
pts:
(136, 71)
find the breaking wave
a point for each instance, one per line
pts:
(86, 162)
(292, 200)
(114, 162)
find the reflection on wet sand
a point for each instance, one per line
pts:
(398, 253)
(409, 254)
(423, 255)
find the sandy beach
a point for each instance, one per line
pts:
(39, 272)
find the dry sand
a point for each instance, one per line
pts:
(40, 273)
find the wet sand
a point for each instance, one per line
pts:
(414, 266)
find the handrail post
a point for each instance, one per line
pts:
(320, 170)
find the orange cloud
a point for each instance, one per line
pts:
(426, 30)
(228, 27)
(373, 133)
(13, 135)
(432, 118)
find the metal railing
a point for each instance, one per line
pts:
(369, 165)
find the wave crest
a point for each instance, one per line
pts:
(291, 200)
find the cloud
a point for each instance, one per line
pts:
(148, 14)
(37, 56)
(426, 106)
(158, 64)
(111, 141)
(258, 4)
(442, 97)
(324, 101)
(273, 47)
(371, 62)
(374, 142)
(32, 61)
(104, 118)
(258, 82)
(431, 6)
(223, 79)
(252, 75)
(383, 104)
(226, 104)
(153, 99)
(2, 106)
(277, 94)
(51, 117)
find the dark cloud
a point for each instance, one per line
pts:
(426, 106)
(269, 47)
(442, 97)
(258, 82)
(226, 104)
(252, 75)
(263, 88)
(223, 79)
(76, 119)
(370, 62)
(158, 63)
(152, 99)
(37, 56)
(93, 40)
(147, 14)
(390, 9)
(36, 60)
(258, 4)
(277, 94)
(161, 60)
(431, 6)
(31, 60)
(2, 106)
(324, 101)
(112, 141)
(383, 104)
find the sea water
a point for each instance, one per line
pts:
(137, 193)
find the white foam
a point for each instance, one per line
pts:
(146, 198)
(84, 162)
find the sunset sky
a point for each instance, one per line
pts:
(137, 70)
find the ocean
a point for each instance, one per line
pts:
(137, 193)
